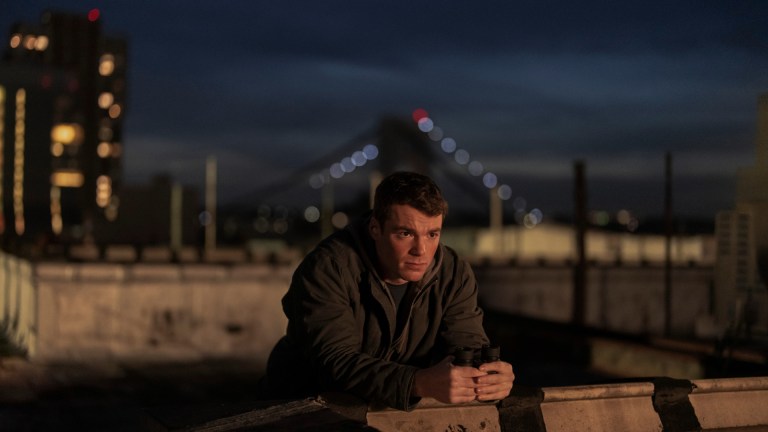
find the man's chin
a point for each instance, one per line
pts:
(412, 276)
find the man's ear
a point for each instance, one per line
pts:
(374, 228)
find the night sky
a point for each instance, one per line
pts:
(526, 88)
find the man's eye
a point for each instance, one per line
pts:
(404, 234)
(434, 235)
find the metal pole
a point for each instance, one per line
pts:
(580, 222)
(210, 202)
(669, 232)
(496, 220)
(176, 206)
(326, 212)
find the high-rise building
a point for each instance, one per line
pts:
(741, 269)
(62, 105)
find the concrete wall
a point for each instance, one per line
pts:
(659, 404)
(623, 299)
(557, 243)
(158, 311)
(18, 313)
(189, 311)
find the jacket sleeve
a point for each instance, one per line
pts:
(322, 322)
(462, 324)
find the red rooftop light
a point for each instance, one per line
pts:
(93, 15)
(419, 113)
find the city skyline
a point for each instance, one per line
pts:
(525, 88)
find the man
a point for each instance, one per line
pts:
(377, 308)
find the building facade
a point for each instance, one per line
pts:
(62, 109)
(741, 269)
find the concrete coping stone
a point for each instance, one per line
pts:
(156, 254)
(204, 272)
(55, 271)
(120, 253)
(252, 271)
(155, 271)
(101, 272)
(607, 391)
(730, 385)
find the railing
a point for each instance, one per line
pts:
(18, 316)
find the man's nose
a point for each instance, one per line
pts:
(419, 246)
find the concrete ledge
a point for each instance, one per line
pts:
(206, 272)
(261, 272)
(617, 407)
(225, 255)
(120, 253)
(156, 254)
(159, 272)
(733, 402)
(101, 272)
(658, 405)
(435, 416)
(56, 271)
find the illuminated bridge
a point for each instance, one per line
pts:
(393, 144)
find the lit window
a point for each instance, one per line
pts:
(67, 178)
(67, 133)
(103, 149)
(114, 111)
(57, 149)
(29, 42)
(41, 43)
(18, 161)
(106, 65)
(103, 190)
(106, 100)
(15, 40)
(56, 222)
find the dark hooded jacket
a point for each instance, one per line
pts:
(346, 335)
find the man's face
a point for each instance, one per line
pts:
(406, 243)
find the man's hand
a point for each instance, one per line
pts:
(450, 384)
(494, 386)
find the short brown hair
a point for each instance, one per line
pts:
(408, 188)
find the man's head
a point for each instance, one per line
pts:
(408, 214)
(411, 189)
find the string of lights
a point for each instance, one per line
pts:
(476, 168)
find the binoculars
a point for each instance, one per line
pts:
(465, 356)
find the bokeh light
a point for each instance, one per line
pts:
(426, 124)
(475, 168)
(93, 15)
(311, 214)
(490, 180)
(317, 181)
(505, 192)
(623, 217)
(339, 220)
(419, 113)
(448, 145)
(370, 151)
(346, 165)
(358, 158)
(436, 134)
(461, 156)
(600, 218)
(336, 171)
